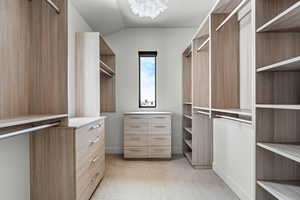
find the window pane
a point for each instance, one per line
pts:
(147, 81)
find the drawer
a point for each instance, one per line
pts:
(131, 140)
(160, 140)
(160, 129)
(157, 119)
(136, 119)
(136, 152)
(137, 128)
(160, 152)
(89, 136)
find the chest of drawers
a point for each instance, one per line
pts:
(147, 135)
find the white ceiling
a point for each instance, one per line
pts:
(108, 16)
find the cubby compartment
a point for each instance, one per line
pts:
(231, 63)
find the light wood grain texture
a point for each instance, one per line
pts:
(202, 140)
(186, 78)
(245, 112)
(287, 20)
(225, 63)
(282, 190)
(226, 6)
(87, 74)
(49, 70)
(292, 64)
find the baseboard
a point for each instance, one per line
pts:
(232, 184)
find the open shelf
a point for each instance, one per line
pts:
(282, 190)
(232, 13)
(187, 103)
(201, 108)
(188, 116)
(288, 20)
(291, 64)
(290, 151)
(245, 112)
(203, 45)
(106, 67)
(279, 106)
(22, 120)
(188, 143)
(189, 130)
(188, 155)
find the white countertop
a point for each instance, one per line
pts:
(147, 113)
(78, 122)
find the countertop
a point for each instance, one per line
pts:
(78, 122)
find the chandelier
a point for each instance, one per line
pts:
(148, 8)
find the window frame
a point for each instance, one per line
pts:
(147, 54)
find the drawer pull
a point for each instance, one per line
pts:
(160, 126)
(95, 127)
(95, 160)
(160, 138)
(92, 142)
(135, 126)
(135, 150)
(160, 117)
(135, 138)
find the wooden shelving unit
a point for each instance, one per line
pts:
(277, 99)
(107, 79)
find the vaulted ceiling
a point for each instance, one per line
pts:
(108, 16)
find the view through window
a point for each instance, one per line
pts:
(147, 75)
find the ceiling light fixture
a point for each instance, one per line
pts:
(148, 8)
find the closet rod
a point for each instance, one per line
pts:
(53, 5)
(105, 72)
(204, 113)
(235, 119)
(21, 132)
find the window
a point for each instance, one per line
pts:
(147, 77)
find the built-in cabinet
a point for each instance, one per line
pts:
(147, 135)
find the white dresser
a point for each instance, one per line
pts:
(147, 135)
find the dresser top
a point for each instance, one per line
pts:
(78, 122)
(147, 113)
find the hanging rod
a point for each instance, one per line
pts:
(54, 6)
(204, 113)
(105, 72)
(27, 130)
(234, 119)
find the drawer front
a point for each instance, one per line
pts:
(159, 152)
(160, 119)
(160, 140)
(137, 128)
(160, 129)
(89, 136)
(131, 140)
(136, 119)
(136, 152)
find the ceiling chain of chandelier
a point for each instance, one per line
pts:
(148, 8)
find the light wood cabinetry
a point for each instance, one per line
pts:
(147, 135)
(277, 99)
(68, 161)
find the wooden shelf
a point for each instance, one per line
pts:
(282, 190)
(288, 20)
(4, 123)
(187, 103)
(235, 11)
(189, 130)
(292, 64)
(188, 155)
(188, 116)
(289, 151)
(245, 112)
(188, 143)
(106, 68)
(203, 45)
(278, 106)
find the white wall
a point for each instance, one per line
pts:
(169, 43)
(14, 152)
(76, 24)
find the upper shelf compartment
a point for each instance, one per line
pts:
(287, 20)
(107, 59)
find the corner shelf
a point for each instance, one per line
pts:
(288, 20)
(292, 64)
(27, 119)
(290, 151)
(279, 106)
(282, 190)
